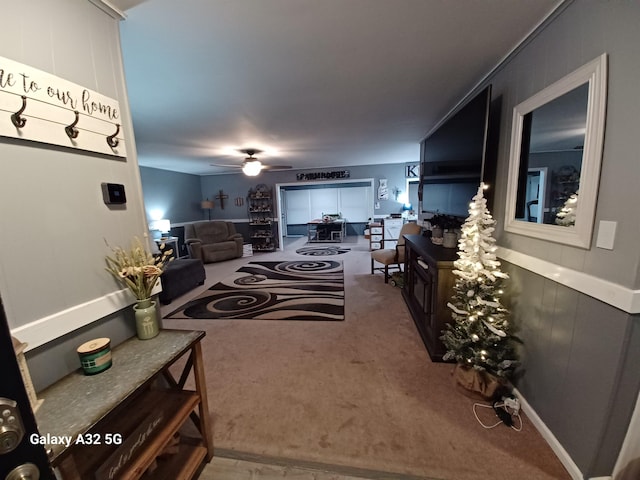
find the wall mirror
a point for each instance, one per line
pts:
(556, 152)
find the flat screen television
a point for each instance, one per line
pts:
(452, 159)
(449, 198)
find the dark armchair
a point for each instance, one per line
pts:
(213, 241)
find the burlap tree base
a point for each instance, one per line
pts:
(478, 384)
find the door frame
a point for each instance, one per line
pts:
(282, 186)
(542, 190)
(12, 388)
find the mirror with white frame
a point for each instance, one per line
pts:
(556, 152)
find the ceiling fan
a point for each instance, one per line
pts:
(251, 166)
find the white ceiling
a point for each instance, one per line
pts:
(314, 83)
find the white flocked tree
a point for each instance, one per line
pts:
(567, 214)
(480, 335)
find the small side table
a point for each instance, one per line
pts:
(170, 243)
(127, 417)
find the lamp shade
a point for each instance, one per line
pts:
(163, 225)
(206, 204)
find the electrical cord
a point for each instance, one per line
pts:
(475, 412)
(506, 413)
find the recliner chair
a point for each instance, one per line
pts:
(213, 241)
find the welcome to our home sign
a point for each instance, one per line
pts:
(38, 106)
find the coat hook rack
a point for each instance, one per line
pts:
(112, 140)
(71, 130)
(16, 118)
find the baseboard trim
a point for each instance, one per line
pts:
(626, 299)
(549, 437)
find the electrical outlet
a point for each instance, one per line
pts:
(512, 403)
(606, 234)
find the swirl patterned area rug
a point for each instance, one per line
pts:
(295, 290)
(323, 250)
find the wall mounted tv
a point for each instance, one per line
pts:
(452, 159)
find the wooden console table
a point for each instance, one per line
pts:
(123, 422)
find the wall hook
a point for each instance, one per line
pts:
(71, 130)
(16, 118)
(112, 140)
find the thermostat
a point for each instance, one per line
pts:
(113, 193)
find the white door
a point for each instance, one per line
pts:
(283, 212)
(534, 202)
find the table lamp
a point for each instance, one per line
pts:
(207, 205)
(163, 226)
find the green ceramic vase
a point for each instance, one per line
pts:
(146, 319)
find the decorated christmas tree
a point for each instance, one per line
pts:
(479, 337)
(567, 214)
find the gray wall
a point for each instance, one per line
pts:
(580, 360)
(582, 32)
(580, 355)
(54, 221)
(179, 195)
(175, 194)
(238, 185)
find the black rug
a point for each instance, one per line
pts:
(323, 250)
(298, 290)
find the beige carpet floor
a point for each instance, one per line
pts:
(361, 393)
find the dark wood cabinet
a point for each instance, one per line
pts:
(429, 282)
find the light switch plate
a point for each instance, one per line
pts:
(606, 234)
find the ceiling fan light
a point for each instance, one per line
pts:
(252, 168)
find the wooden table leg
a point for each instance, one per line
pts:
(201, 387)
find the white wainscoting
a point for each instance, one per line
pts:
(613, 294)
(626, 299)
(49, 328)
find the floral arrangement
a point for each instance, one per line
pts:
(446, 222)
(137, 268)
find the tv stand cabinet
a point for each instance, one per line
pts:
(428, 287)
(131, 421)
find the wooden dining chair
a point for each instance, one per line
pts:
(393, 257)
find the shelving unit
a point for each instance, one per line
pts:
(134, 416)
(261, 219)
(376, 236)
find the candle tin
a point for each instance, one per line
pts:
(95, 355)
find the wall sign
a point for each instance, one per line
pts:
(324, 175)
(412, 171)
(383, 190)
(38, 106)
